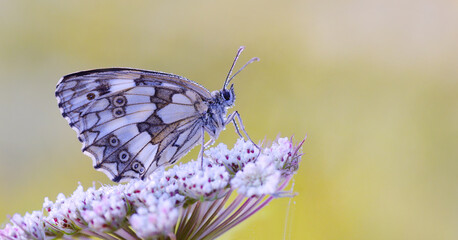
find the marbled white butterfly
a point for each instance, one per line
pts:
(132, 121)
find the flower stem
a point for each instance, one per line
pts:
(220, 204)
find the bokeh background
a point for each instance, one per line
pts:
(372, 83)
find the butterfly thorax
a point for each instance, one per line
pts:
(215, 117)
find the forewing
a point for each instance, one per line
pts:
(76, 91)
(132, 121)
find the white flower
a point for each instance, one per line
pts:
(28, 227)
(102, 209)
(11, 231)
(62, 214)
(257, 178)
(106, 211)
(235, 159)
(189, 200)
(158, 217)
(280, 152)
(203, 183)
(161, 184)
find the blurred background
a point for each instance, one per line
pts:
(372, 83)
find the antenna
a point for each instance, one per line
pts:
(229, 78)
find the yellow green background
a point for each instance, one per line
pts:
(373, 84)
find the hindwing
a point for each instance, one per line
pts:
(132, 121)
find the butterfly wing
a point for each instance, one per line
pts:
(132, 121)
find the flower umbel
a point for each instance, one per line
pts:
(187, 201)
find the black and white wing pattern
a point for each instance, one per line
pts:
(131, 121)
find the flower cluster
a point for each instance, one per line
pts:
(189, 200)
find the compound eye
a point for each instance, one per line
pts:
(226, 95)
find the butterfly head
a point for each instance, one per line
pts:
(224, 98)
(227, 96)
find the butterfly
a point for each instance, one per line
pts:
(132, 121)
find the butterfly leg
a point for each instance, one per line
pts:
(232, 118)
(209, 143)
(202, 148)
